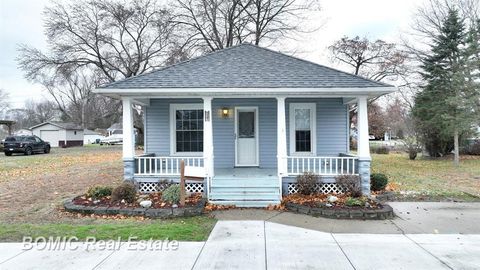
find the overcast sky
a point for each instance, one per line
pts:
(21, 22)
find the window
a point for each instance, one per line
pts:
(187, 128)
(302, 128)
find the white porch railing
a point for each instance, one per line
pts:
(322, 165)
(161, 166)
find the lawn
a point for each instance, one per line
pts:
(32, 189)
(439, 178)
(184, 229)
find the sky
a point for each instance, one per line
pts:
(21, 23)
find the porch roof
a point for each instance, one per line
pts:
(248, 67)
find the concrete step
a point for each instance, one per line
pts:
(246, 203)
(249, 189)
(243, 196)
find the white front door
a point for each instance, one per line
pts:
(246, 136)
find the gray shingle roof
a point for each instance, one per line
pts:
(64, 125)
(245, 66)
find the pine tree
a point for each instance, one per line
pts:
(445, 108)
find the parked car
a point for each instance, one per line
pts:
(27, 145)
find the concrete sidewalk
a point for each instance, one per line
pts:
(268, 245)
(411, 218)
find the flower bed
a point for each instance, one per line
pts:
(194, 206)
(337, 206)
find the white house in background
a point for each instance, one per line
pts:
(90, 136)
(59, 134)
(23, 132)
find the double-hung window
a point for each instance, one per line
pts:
(302, 128)
(186, 128)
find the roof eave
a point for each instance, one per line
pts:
(165, 92)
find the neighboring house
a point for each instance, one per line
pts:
(90, 136)
(252, 118)
(59, 134)
(23, 132)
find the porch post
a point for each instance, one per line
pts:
(281, 138)
(363, 144)
(208, 136)
(128, 140)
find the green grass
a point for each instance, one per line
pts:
(183, 229)
(436, 177)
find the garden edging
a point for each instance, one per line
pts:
(170, 212)
(386, 212)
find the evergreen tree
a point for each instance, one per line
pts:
(446, 107)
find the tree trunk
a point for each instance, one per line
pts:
(455, 150)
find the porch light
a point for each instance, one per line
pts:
(225, 112)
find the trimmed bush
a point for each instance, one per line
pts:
(351, 183)
(97, 192)
(306, 183)
(354, 202)
(125, 191)
(378, 181)
(382, 150)
(172, 194)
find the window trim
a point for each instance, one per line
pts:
(173, 128)
(313, 128)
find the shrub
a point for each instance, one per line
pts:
(378, 181)
(172, 194)
(382, 150)
(474, 148)
(412, 147)
(125, 191)
(97, 192)
(354, 202)
(306, 183)
(351, 183)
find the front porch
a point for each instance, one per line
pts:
(277, 146)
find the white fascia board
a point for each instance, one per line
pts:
(272, 92)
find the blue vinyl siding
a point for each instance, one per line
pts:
(332, 128)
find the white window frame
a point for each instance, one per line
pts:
(313, 128)
(173, 128)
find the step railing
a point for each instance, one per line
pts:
(163, 166)
(330, 166)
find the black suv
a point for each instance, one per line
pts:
(25, 144)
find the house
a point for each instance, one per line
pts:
(59, 134)
(90, 136)
(252, 118)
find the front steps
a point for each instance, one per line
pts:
(245, 192)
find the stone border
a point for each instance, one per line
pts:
(386, 212)
(188, 211)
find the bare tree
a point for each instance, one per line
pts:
(4, 105)
(218, 24)
(94, 42)
(39, 112)
(377, 60)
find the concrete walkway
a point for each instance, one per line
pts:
(267, 245)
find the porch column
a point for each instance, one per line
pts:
(128, 140)
(208, 136)
(281, 138)
(363, 144)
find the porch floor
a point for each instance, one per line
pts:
(247, 173)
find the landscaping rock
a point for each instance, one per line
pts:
(146, 204)
(332, 199)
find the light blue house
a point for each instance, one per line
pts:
(250, 119)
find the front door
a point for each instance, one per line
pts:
(246, 136)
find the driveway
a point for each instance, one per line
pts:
(267, 245)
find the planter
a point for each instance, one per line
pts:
(385, 212)
(167, 212)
